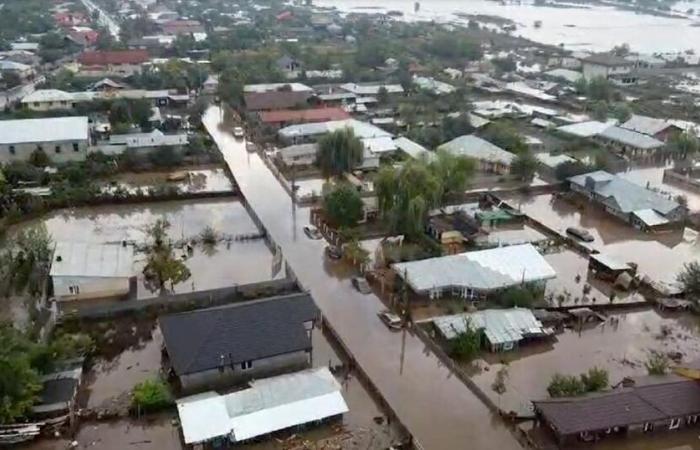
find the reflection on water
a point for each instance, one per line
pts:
(596, 27)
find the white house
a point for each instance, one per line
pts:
(610, 67)
(63, 139)
(119, 143)
(491, 158)
(90, 271)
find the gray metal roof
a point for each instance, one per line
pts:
(646, 125)
(204, 339)
(411, 148)
(483, 270)
(79, 259)
(631, 138)
(479, 149)
(629, 197)
(54, 129)
(584, 129)
(500, 326)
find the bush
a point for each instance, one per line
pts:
(566, 386)
(657, 364)
(516, 296)
(150, 396)
(467, 344)
(343, 205)
(165, 157)
(596, 379)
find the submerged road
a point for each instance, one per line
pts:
(435, 406)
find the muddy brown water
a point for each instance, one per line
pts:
(438, 409)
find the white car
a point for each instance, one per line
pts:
(238, 132)
(391, 320)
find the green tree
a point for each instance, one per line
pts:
(162, 265)
(565, 386)
(517, 297)
(343, 205)
(339, 152)
(570, 169)
(596, 379)
(151, 396)
(39, 158)
(467, 344)
(383, 95)
(453, 171)
(600, 111)
(622, 112)
(19, 380)
(505, 136)
(689, 278)
(657, 363)
(684, 144)
(599, 88)
(507, 64)
(165, 156)
(524, 166)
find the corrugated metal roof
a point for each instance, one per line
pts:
(53, 129)
(79, 259)
(552, 161)
(650, 217)
(500, 326)
(371, 89)
(269, 405)
(411, 148)
(483, 270)
(584, 129)
(569, 75)
(631, 138)
(272, 87)
(479, 149)
(610, 262)
(646, 125)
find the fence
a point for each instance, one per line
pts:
(181, 301)
(686, 181)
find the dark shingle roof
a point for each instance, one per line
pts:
(196, 340)
(650, 403)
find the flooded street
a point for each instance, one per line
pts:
(221, 265)
(438, 408)
(576, 26)
(614, 237)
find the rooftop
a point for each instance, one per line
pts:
(650, 126)
(411, 148)
(479, 149)
(490, 269)
(630, 138)
(53, 129)
(629, 197)
(362, 130)
(584, 129)
(276, 87)
(499, 325)
(155, 138)
(304, 115)
(207, 338)
(103, 58)
(371, 89)
(71, 259)
(607, 59)
(269, 405)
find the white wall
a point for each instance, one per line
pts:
(89, 287)
(66, 152)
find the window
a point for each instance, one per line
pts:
(57, 149)
(12, 149)
(648, 427)
(246, 365)
(76, 148)
(675, 424)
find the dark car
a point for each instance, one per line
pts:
(334, 252)
(361, 285)
(580, 233)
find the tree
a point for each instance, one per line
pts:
(689, 278)
(452, 46)
(165, 156)
(499, 383)
(19, 380)
(343, 205)
(162, 265)
(507, 64)
(596, 379)
(453, 127)
(565, 386)
(467, 343)
(39, 158)
(599, 88)
(657, 363)
(524, 166)
(141, 111)
(119, 112)
(453, 171)
(600, 111)
(622, 112)
(684, 144)
(382, 95)
(339, 152)
(505, 136)
(517, 297)
(150, 396)
(570, 169)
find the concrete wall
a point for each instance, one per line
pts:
(89, 287)
(57, 151)
(261, 368)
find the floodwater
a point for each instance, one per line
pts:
(196, 181)
(309, 187)
(225, 264)
(653, 178)
(614, 237)
(620, 348)
(437, 408)
(591, 27)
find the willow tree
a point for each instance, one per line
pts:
(339, 152)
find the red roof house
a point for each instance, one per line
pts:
(282, 118)
(113, 58)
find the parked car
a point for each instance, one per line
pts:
(580, 233)
(334, 252)
(361, 285)
(312, 232)
(391, 320)
(238, 132)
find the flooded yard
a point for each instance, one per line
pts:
(221, 265)
(670, 250)
(309, 187)
(621, 347)
(652, 177)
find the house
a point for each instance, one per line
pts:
(21, 56)
(413, 149)
(211, 85)
(628, 142)
(664, 403)
(490, 157)
(568, 75)
(23, 71)
(636, 205)
(85, 36)
(588, 129)
(548, 162)
(290, 67)
(474, 275)
(285, 117)
(112, 63)
(267, 97)
(182, 27)
(432, 85)
(298, 155)
(144, 142)
(226, 345)
(70, 18)
(61, 138)
(82, 271)
(376, 141)
(371, 89)
(614, 68)
(107, 85)
(267, 406)
(503, 329)
(651, 126)
(54, 99)
(26, 46)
